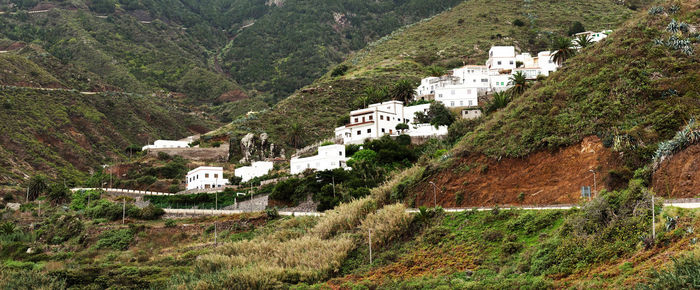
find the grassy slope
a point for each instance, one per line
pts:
(616, 88)
(64, 133)
(441, 40)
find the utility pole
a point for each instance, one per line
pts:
(333, 177)
(653, 218)
(370, 246)
(215, 236)
(595, 184)
(434, 193)
(123, 209)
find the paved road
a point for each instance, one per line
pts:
(230, 211)
(124, 191)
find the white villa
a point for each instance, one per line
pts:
(381, 119)
(463, 87)
(162, 144)
(206, 177)
(256, 169)
(329, 157)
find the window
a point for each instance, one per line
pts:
(381, 117)
(452, 104)
(439, 95)
(383, 130)
(484, 80)
(371, 117)
(216, 175)
(355, 120)
(469, 91)
(369, 131)
(206, 175)
(511, 62)
(340, 153)
(453, 92)
(359, 132)
(470, 103)
(363, 119)
(499, 62)
(461, 103)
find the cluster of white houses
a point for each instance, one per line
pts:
(460, 89)
(381, 119)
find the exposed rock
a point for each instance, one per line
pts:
(255, 148)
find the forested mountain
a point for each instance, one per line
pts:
(204, 48)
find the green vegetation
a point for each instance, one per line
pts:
(64, 133)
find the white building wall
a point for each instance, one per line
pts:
(256, 169)
(501, 57)
(206, 177)
(457, 96)
(160, 144)
(328, 158)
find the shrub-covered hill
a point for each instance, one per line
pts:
(462, 34)
(64, 134)
(272, 47)
(631, 90)
(85, 51)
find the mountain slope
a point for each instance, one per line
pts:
(65, 134)
(629, 92)
(465, 33)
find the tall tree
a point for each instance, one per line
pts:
(403, 91)
(36, 186)
(562, 50)
(519, 83)
(295, 135)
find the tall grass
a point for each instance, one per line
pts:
(344, 217)
(397, 184)
(387, 224)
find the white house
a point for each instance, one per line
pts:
(466, 84)
(378, 120)
(329, 157)
(256, 169)
(594, 36)
(161, 144)
(206, 177)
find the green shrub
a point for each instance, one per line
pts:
(151, 212)
(170, 223)
(685, 274)
(163, 156)
(60, 228)
(118, 239)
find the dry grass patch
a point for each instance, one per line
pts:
(387, 224)
(344, 217)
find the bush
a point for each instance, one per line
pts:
(493, 235)
(170, 223)
(118, 239)
(685, 274)
(518, 22)
(339, 70)
(58, 194)
(151, 212)
(163, 156)
(60, 228)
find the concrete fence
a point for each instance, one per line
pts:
(125, 191)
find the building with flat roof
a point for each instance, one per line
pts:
(206, 177)
(329, 157)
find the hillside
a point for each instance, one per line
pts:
(629, 92)
(462, 34)
(65, 134)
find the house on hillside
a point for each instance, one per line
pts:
(381, 119)
(594, 36)
(462, 88)
(256, 169)
(206, 177)
(164, 144)
(329, 157)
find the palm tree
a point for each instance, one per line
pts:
(436, 71)
(295, 136)
(498, 100)
(376, 94)
(519, 83)
(36, 186)
(362, 101)
(562, 50)
(403, 91)
(583, 41)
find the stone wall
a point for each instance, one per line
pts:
(219, 154)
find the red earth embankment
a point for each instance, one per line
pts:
(679, 175)
(541, 178)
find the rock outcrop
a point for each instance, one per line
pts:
(254, 148)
